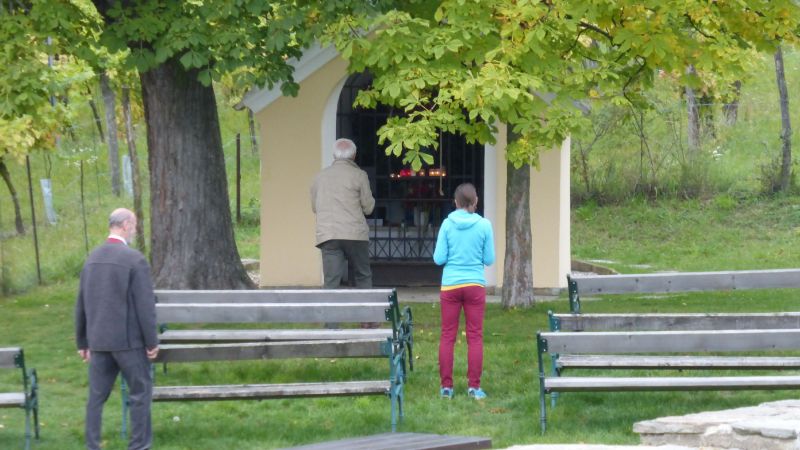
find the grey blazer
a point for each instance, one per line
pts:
(115, 309)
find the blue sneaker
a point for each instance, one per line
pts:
(446, 393)
(476, 393)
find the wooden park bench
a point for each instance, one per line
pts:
(675, 342)
(28, 399)
(285, 308)
(652, 283)
(405, 441)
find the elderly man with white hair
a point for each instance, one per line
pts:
(341, 198)
(115, 329)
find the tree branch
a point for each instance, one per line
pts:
(697, 28)
(597, 30)
(631, 79)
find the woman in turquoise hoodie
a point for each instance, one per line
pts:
(464, 246)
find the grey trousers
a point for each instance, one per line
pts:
(335, 255)
(103, 370)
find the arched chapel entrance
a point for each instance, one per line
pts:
(410, 206)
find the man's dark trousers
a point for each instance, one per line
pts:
(103, 370)
(335, 255)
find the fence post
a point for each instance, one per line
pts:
(83, 215)
(238, 178)
(33, 220)
(2, 259)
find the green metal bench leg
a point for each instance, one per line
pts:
(541, 345)
(398, 412)
(31, 405)
(556, 373)
(36, 422)
(34, 402)
(555, 325)
(400, 399)
(542, 411)
(393, 399)
(27, 428)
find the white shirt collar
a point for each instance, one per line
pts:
(118, 237)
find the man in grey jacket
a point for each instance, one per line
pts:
(341, 197)
(115, 329)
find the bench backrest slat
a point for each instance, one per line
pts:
(675, 322)
(671, 341)
(276, 296)
(356, 348)
(8, 357)
(271, 313)
(689, 281)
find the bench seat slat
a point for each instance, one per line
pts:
(402, 441)
(178, 336)
(676, 362)
(671, 341)
(271, 313)
(12, 400)
(355, 348)
(275, 296)
(8, 357)
(675, 322)
(689, 281)
(594, 384)
(266, 391)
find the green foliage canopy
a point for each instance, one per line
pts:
(538, 65)
(251, 40)
(28, 34)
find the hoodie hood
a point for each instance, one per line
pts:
(463, 220)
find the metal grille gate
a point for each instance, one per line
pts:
(409, 209)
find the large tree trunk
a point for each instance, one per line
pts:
(731, 109)
(518, 265)
(137, 184)
(786, 125)
(14, 197)
(192, 244)
(109, 100)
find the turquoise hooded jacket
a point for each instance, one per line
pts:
(464, 246)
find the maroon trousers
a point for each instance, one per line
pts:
(473, 300)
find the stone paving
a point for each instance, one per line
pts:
(768, 426)
(596, 447)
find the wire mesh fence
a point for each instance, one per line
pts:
(64, 205)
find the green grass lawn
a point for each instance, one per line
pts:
(41, 321)
(718, 234)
